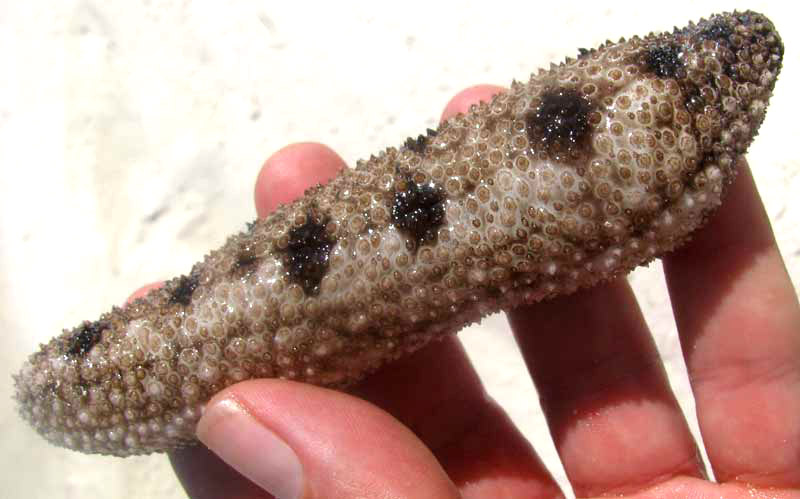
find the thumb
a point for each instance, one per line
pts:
(298, 441)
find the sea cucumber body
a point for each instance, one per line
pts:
(577, 176)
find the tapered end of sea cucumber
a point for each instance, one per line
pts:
(727, 66)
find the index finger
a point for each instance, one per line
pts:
(290, 171)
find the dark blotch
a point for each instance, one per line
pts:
(418, 145)
(718, 29)
(745, 18)
(419, 210)
(664, 60)
(85, 337)
(560, 122)
(182, 293)
(308, 253)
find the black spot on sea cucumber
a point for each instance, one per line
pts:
(561, 121)
(418, 210)
(664, 60)
(418, 145)
(182, 292)
(718, 29)
(85, 337)
(307, 254)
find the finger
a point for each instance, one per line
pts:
(204, 475)
(437, 394)
(618, 412)
(282, 178)
(296, 440)
(739, 324)
(290, 171)
(604, 392)
(139, 293)
(474, 440)
(452, 411)
(467, 97)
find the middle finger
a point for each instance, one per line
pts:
(615, 421)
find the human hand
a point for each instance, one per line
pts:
(425, 428)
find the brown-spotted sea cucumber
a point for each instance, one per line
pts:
(574, 177)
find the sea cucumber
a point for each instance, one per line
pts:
(578, 175)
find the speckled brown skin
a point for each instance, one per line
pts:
(587, 170)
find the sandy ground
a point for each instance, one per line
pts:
(131, 133)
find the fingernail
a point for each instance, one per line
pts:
(251, 448)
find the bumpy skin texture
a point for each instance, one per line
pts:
(587, 170)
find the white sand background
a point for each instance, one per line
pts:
(131, 133)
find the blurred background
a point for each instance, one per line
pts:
(131, 134)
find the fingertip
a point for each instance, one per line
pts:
(290, 171)
(467, 97)
(139, 293)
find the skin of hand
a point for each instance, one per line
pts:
(424, 427)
